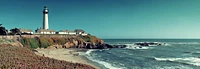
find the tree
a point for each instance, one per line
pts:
(15, 31)
(3, 30)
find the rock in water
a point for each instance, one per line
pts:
(150, 44)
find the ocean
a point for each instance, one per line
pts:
(176, 54)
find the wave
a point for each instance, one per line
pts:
(167, 44)
(137, 47)
(189, 60)
(166, 67)
(90, 51)
(184, 42)
(133, 46)
(106, 64)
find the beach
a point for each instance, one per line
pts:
(70, 55)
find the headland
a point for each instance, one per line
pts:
(53, 47)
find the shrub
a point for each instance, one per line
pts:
(29, 42)
(86, 38)
(33, 43)
(50, 41)
(62, 41)
(44, 42)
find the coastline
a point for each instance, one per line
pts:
(70, 55)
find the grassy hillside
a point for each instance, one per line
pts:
(13, 57)
(44, 42)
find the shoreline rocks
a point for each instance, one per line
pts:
(150, 44)
(89, 45)
(86, 46)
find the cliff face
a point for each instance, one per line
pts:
(59, 42)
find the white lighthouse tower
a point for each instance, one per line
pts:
(45, 18)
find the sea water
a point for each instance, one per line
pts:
(176, 54)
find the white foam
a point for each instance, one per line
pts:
(189, 60)
(184, 43)
(137, 47)
(168, 67)
(89, 51)
(132, 46)
(106, 64)
(167, 44)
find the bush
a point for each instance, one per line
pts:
(44, 43)
(31, 42)
(86, 38)
(62, 41)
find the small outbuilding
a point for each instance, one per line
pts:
(25, 31)
(80, 31)
(69, 32)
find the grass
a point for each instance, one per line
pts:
(31, 42)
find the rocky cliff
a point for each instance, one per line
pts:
(61, 42)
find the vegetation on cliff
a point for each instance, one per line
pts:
(44, 42)
(90, 38)
(10, 42)
(13, 57)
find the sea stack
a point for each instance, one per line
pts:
(45, 18)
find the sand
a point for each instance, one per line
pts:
(70, 55)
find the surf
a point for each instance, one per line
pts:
(187, 60)
(104, 63)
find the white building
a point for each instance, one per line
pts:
(80, 32)
(84, 34)
(44, 31)
(26, 31)
(66, 32)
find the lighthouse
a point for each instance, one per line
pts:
(45, 18)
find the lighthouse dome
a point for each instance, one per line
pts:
(45, 10)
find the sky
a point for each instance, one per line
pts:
(108, 18)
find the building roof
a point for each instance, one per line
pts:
(79, 30)
(25, 30)
(67, 31)
(44, 30)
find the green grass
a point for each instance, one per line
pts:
(31, 42)
(44, 42)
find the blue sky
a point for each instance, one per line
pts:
(108, 18)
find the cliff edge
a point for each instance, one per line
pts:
(62, 42)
